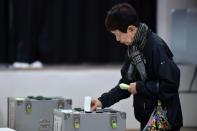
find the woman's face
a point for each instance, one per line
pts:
(125, 38)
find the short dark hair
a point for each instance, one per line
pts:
(120, 17)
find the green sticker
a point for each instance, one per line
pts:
(114, 125)
(77, 125)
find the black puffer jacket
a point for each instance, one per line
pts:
(162, 83)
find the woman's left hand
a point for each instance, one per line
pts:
(132, 88)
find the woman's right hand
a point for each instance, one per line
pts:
(95, 103)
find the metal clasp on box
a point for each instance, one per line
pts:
(28, 107)
(76, 121)
(113, 121)
(60, 104)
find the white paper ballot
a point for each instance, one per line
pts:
(124, 86)
(87, 104)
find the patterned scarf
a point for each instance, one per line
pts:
(135, 52)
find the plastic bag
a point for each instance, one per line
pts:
(158, 120)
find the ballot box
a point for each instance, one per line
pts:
(34, 113)
(100, 120)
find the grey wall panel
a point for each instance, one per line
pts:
(184, 35)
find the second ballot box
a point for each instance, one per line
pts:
(100, 120)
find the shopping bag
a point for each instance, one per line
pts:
(158, 120)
